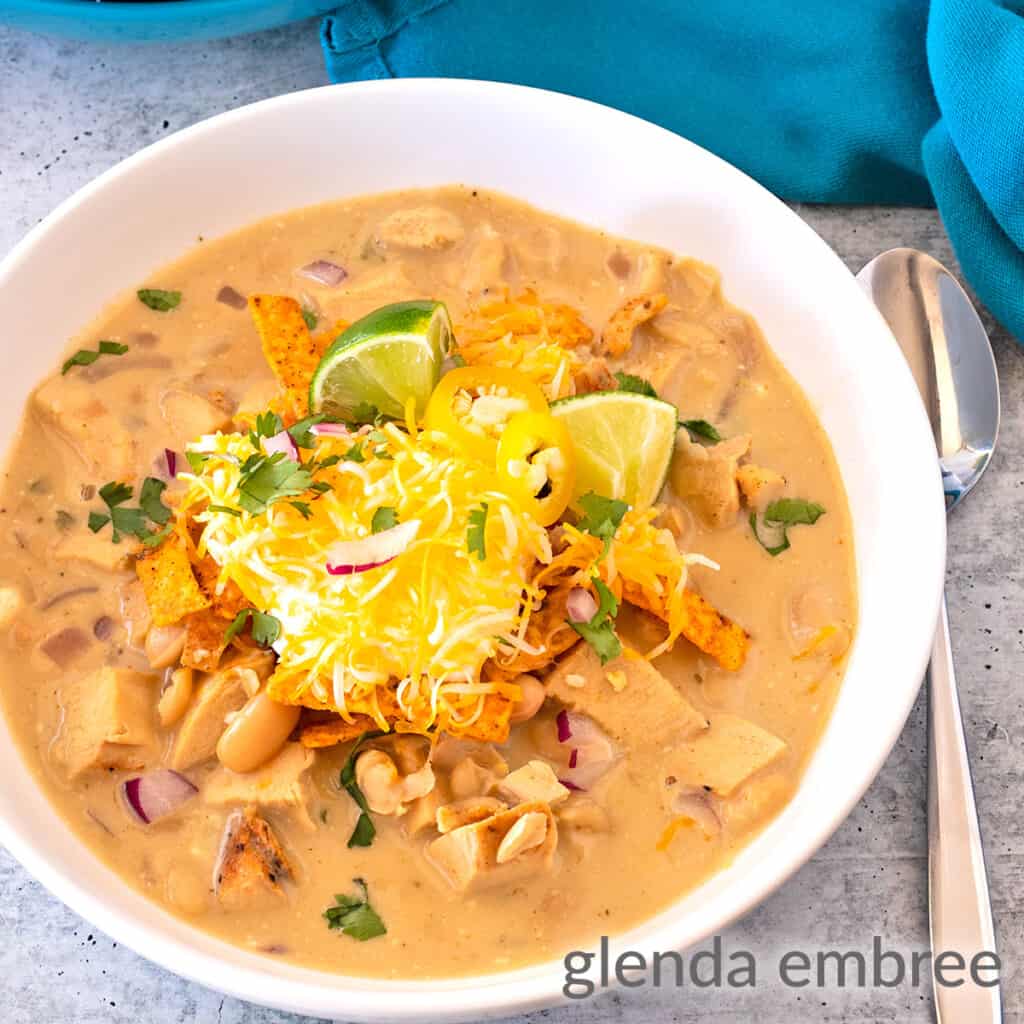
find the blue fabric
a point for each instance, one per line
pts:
(858, 101)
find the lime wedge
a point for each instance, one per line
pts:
(623, 443)
(382, 360)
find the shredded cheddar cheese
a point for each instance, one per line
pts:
(414, 632)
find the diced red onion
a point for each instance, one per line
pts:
(569, 784)
(324, 272)
(592, 752)
(156, 794)
(564, 728)
(283, 443)
(580, 605)
(230, 297)
(172, 462)
(348, 557)
(330, 430)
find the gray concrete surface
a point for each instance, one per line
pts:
(71, 110)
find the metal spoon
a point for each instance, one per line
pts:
(949, 353)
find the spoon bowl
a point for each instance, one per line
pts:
(947, 348)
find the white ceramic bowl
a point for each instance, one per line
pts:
(609, 170)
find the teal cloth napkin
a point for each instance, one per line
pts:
(848, 101)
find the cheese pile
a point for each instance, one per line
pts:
(429, 619)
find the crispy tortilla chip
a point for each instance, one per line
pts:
(494, 722)
(335, 731)
(292, 352)
(702, 625)
(618, 332)
(230, 601)
(548, 633)
(205, 642)
(171, 588)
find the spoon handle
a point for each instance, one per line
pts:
(960, 911)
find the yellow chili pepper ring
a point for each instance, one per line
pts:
(472, 404)
(535, 454)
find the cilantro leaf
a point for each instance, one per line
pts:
(636, 385)
(310, 317)
(599, 632)
(355, 453)
(265, 628)
(301, 433)
(302, 508)
(778, 517)
(265, 479)
(196, 461)
(354, 915)
(159, 299)
(458, 360)
(97, 521)
(365, 831)
(701, 428)
(365, 412)
(149, 500)
(476, 532)
(601, 515)
(115, 493)
(86, 357)
(383, 519)
(151, 540)
(225, 508)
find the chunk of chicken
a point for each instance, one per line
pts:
(618, 332)
(535, 781)
(725, 755)
(499, 850)
(251, 864)
(189, 416)
(421, 227)
(386, 789)
(108, 722)
(218, 696)
(647, 710)
(705, 477)
(469, 768)
(759, 486)
(467, 812)
(69, 406)
(280, 784)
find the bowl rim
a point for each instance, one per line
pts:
(470, 997)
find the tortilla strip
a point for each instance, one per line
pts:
(171, 588)
(618, 332)
(230, 601)
(291, 350)
(205, 642)
(335, 731)
(703, 626)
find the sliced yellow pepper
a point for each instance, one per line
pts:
(535, 455)
(472, 404)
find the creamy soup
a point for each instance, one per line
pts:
(547, 796)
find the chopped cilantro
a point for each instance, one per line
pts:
(457, 359)
(601, 515)
(599, 632)
(302, 507)
(779, 516)
(701, 428)
(237, 513)
(86, 357)
(354, 916)
(267, 478)
(365, 412)
(132, 521)
(637, 385)
(149, 500)
(302, 433)
(365, 831)
(355, 453)
(196, 461)
(331, 460)
(476, 532)
(159, 299)
(310, 317)
(265, 628)
(383, 519)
